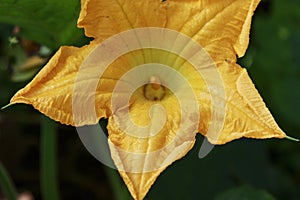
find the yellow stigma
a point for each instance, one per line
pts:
(154, 90)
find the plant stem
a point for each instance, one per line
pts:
(49, 182)
(7, 185)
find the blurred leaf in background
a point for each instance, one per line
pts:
(49, 22)
(245, 193)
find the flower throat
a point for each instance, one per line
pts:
(154, 90)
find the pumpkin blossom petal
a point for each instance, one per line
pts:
(141, 154)
(225, 23)
(53, 90)
(144, 138)
(49, 92)
(246, 113)
(102, 19)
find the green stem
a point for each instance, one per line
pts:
(7, 185)
(49, 182)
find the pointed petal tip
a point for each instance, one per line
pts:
(291, 138)
(6, 106)
(139, 184)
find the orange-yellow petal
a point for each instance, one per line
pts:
(102, 19)
(50, 90)
(246, 113)
(57, 85)
(141, 148)
(230, 107)
(221, 27)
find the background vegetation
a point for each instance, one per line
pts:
(48, 160)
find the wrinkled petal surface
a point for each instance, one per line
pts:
(144, 138)
(225, 22)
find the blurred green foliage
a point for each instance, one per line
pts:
(245, 193)
(242, 169)
(48, 22)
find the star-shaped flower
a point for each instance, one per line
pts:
(185, 89)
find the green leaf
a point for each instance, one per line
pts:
(286, 97)
(244, 193)
(49, 22)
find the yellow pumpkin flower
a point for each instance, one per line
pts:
(160, 71)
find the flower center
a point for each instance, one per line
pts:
(154, 91)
